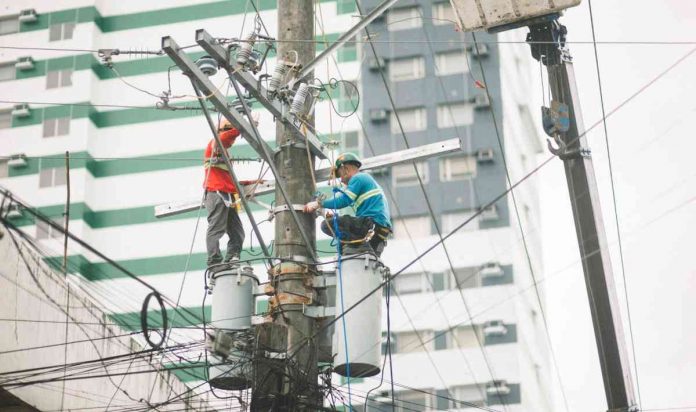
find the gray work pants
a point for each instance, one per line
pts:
(221, 220)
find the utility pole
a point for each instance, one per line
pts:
(292, 281)
(563, 121)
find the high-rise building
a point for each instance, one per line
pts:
(465, 320)
(127, 155)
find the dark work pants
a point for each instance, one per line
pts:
(354, 228)
(221, 220)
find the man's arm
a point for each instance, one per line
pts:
(228, 137)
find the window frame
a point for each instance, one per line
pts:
(8, 114)
(12, 69)
(451, 220)
(448, 118)
(447, 168)
(439, 18)
(412, 178)
(414, 20)
(63, 31)
(11, 17)
(56, 124)
(442, 64)
(417, 64)
(420, 124)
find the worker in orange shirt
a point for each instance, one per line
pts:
(220, 200)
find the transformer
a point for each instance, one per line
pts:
(232, 309)
(361, 274)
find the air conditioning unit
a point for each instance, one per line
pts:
(484, 155)
(481, 102)
(17, 161)
(481, 52)
(376, 64)
(497, 387)
(491, 270)
(494, 328)
(21, 110)
(378, 115)
(13, 212)
(25, 63)
(489, 213)
(28, 16)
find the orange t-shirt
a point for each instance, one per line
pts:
(219, 179)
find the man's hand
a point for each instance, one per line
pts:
(311, 206)
(328, 214)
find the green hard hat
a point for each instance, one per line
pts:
(348, 157)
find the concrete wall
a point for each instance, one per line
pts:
(39, 299)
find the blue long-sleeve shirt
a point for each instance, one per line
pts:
(366, 197)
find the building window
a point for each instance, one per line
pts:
(407, 342)
(46, 231)
(451, 63)
(7, 71)
(52, 176)
(5, 119)
(457, 168)
(409, 283)
(405, 174)
(413, 401)
(452, 115)
(350, 142)
(450, 221)
(443, 13)
(466, 278)
(410, 68)
(404, 18)
(4, 168)
(56, 127)
(473, 395)
(59, 78)
(467, 336)
(9, 25)
(414, 227)
(61, 31)
(412, 120)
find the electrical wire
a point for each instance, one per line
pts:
(426, 198)
(502, 195)
(613, 197)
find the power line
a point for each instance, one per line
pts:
(613, 197)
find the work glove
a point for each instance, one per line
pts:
(310, 207)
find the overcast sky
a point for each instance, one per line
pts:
(652, 145)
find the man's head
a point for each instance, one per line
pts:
(225, 125)
(347, 165)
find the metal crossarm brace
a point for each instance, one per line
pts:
(403, 156)
(256, 89)
(233, 175)
(189, 67)
(376, 12)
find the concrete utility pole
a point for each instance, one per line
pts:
(564, 123)
(292, 281)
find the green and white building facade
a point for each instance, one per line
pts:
(127, 156)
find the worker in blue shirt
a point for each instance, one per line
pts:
(367, 198)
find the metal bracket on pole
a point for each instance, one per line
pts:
(286, 208)
(318, 311)
(376, 12)
(218, 100)
(254, 87)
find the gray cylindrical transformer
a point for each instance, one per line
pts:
(361, 274)
(233, 298)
